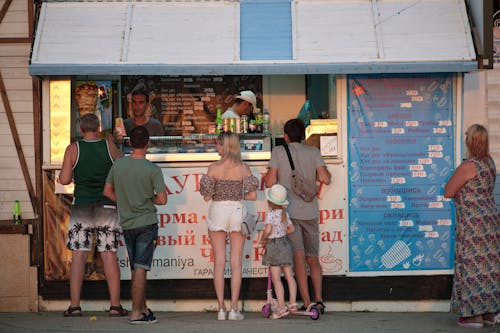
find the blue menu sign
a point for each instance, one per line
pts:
(401, 152)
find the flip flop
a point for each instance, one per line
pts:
(74, 311)
(120, 311)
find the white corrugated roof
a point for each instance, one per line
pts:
(203, 37)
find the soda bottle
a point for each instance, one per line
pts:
(219, 126)
(266, 121)
(16, 213)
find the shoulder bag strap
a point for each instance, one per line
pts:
(289, 157)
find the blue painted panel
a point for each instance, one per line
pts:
(265, 30)
(401, 149)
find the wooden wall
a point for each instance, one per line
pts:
(19, 133)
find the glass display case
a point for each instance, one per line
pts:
(202, 147)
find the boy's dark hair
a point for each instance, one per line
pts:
(295, 130)
(89, 122)
(141, 92)
(139, 137)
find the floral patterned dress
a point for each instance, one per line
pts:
(476, 285)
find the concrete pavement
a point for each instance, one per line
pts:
(205, 322)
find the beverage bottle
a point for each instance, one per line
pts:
(266, 121)
(219, 126)
(258, 120)
(252, 125)
(16, 213)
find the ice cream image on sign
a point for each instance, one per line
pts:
(398, 252)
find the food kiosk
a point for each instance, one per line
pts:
(386, 101)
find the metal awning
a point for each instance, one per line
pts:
(205, 37)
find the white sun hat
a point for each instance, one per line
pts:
(248, 96)
(277, 195)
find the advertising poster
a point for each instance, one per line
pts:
(400, 156)
(184, 250)
(94, 97)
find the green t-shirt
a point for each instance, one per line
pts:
(136, 182)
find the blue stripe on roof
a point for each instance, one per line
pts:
(265, 30)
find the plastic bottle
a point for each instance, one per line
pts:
(266, 121)
(258, 120)
(16, 213)
(218, 122)
(252, 125)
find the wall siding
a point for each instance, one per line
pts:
(14, 59)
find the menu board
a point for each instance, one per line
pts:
(188, 104)
(400, 156)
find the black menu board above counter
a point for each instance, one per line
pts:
(188, 104)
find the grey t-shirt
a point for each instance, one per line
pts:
(307, 160)
(136, 181)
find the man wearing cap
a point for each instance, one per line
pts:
(245, 103)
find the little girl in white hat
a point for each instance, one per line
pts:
(278, 255)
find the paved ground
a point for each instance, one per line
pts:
(204, 322)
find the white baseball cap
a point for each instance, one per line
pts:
(277, 195)
(248, 96)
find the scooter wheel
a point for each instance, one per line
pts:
(314, 313)
(266, 310)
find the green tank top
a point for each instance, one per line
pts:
(90, 171)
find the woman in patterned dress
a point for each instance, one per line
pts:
(224, 184)
(476, 285)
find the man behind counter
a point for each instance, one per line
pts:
(245, 103)
(140, 100)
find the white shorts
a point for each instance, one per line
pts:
(225, 216)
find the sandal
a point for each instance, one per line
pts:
(293, 307)
(119, 311)
(321, 307)
(73, 311)
(282, 312)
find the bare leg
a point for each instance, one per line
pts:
(138, 293)
(236, 252)
(278, 285)
(112, 272)
(299, 263)
(316, 277)
(292, 285)
(218, 240)
(77, 272)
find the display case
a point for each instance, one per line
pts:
(202, 147)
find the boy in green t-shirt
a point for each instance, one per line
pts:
(137, 185)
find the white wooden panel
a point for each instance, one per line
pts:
(183, 33)
(15, 22)
(331, 31)
(425, 30)
(80, 33)
(12, 62)
(15, 49)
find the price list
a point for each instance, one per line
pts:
(188, 104)
(400, 156)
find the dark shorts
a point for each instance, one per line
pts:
(305, 237)
(141, 244)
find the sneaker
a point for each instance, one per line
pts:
(467, 323)
(235, 315)
(221, 315)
